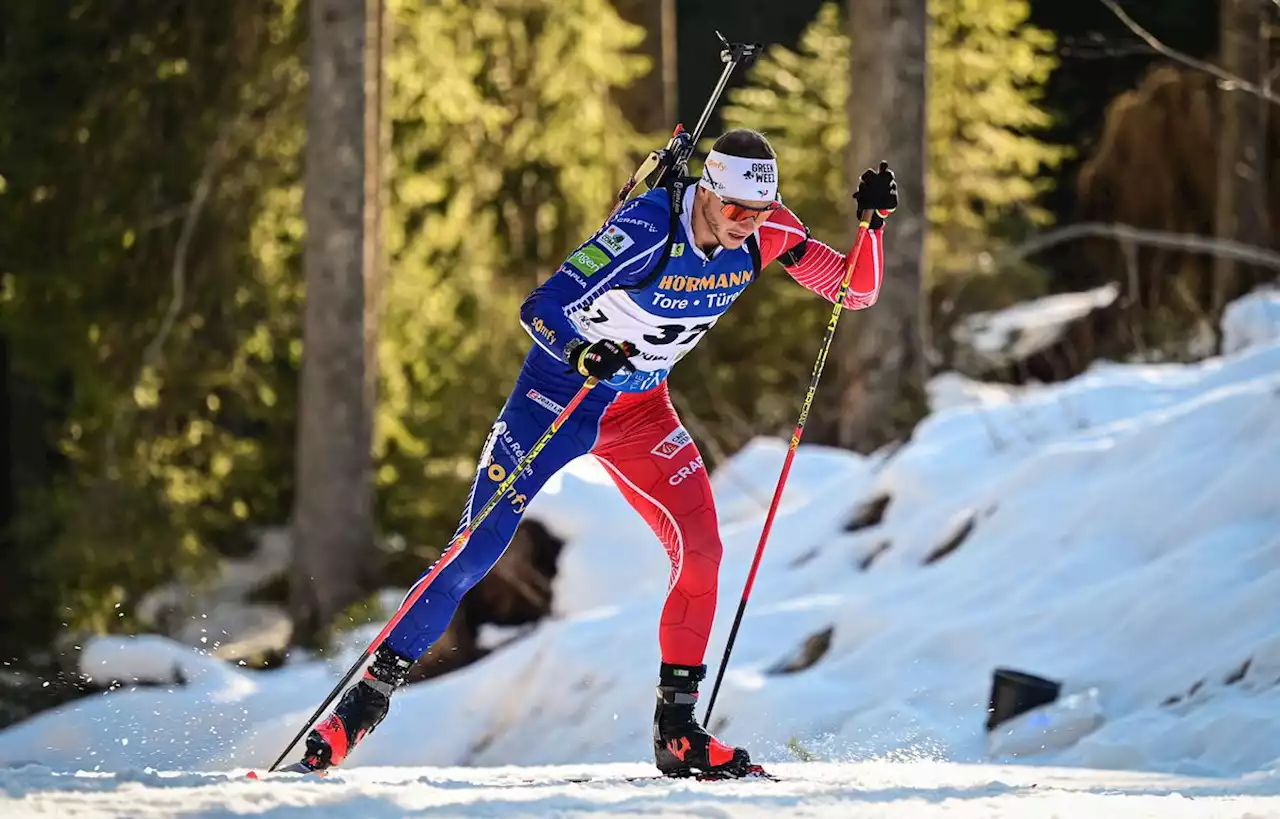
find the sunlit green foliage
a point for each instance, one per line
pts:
(508, 149)
(151, 221)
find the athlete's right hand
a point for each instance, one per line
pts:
(600, 359)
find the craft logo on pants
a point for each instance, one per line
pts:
(685, 472)
(677, 440)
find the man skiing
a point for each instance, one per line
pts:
(624, 308)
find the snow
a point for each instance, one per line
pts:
(1251, 321)
(1016, 332)
(869, 790)
(217, 615)
(1119, 532)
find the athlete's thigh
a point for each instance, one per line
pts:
(651, 453)
(534, 403)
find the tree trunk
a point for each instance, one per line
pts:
(874, 394)
(1241, 211)
(333, 514)
(377, 148)
(649, 103)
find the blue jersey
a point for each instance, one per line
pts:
(606, 290)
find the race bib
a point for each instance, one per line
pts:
(660, 341)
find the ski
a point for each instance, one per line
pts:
(759, 774)
(296, 768)
(301, 771)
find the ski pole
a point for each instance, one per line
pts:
(731, 55)
(675, 156)
(449, 554)
(864, 226)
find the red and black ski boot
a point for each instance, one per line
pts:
(359, 711)
(682, 747)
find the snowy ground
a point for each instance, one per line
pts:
(1123, 536)
(872, 790)
(1016, 332)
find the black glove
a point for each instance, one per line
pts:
(878, 193)
(599, 359)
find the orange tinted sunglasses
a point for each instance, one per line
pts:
(738, 212)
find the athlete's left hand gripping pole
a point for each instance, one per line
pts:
(456, 546)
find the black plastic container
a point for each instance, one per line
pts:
(1017, 692)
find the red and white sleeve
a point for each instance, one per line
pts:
(821, 268)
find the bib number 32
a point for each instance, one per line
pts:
(668, 333)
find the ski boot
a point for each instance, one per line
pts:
(682, 747)
(359, 711)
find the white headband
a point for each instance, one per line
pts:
(736, 177)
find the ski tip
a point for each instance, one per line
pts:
(299, 768)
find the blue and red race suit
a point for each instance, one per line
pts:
(607, 289)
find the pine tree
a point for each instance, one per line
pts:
(147, 353)
(1241, 201)
(987, 69)
(508, 148)
(333, 510)
(876, 387)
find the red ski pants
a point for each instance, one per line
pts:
(658, 468)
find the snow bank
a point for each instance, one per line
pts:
(1011, 334)
(1251, 321)
(217, 616)
(154, 660)
(1119, 532)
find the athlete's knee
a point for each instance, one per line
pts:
(708, 547)
(469, 567)
(700, 566)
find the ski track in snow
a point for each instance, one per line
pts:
(867, 790)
